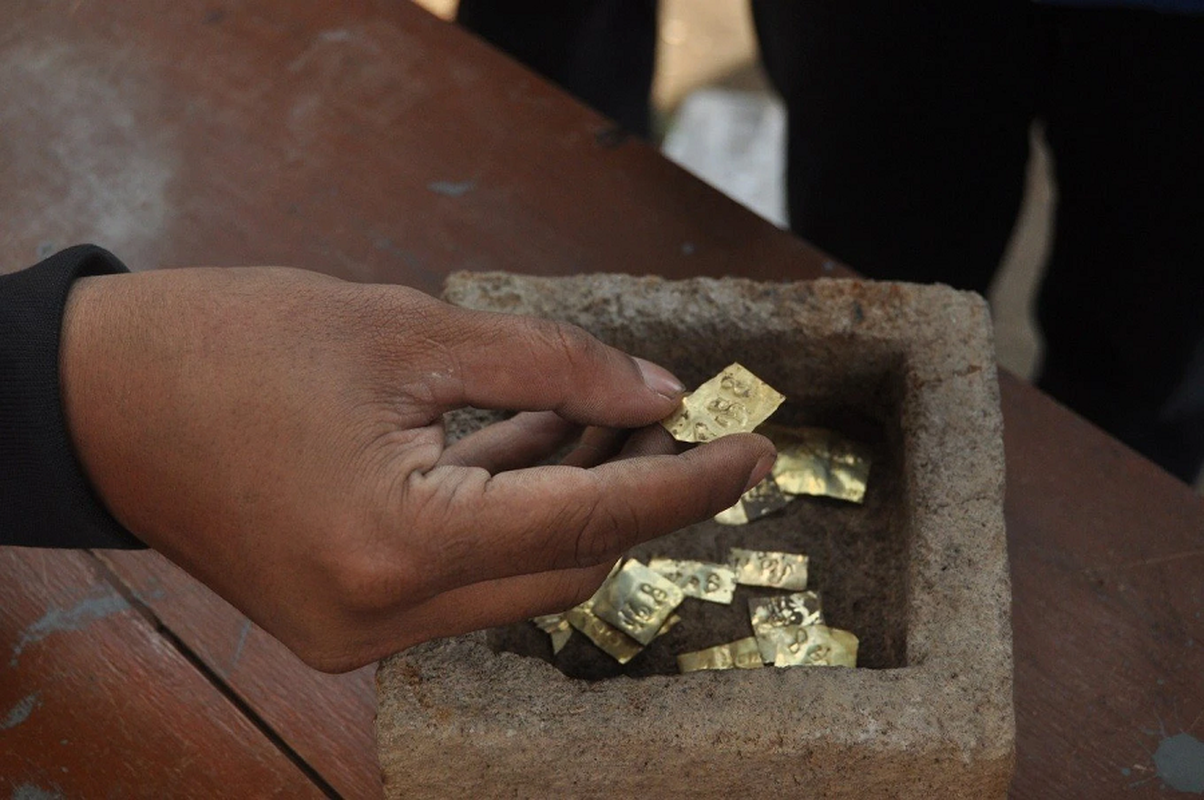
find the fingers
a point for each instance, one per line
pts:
(498, 602)
(599, 445)
(518, 442)
(522, 363)
(551, 518)
(653, 440)
(596, 446)
(533, 436)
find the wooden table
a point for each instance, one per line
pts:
(374, 142)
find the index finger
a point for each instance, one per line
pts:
(505, 361)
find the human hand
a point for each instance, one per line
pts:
(278, 434)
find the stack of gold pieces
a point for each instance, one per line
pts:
(633, 606)
(811, 461)
(636, 602)
(764, 568)
(788, 630)
(759, 501)
(715, 583)
(557, 627)
(740, 654)
(818, 462)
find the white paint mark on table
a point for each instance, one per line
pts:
(112, 172)
(242, 641)
(1179, 760)
(335, 35)
(452, 188)
(27, 791)
(57, 620)
(20, 712)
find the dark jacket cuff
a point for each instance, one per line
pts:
(45, 498)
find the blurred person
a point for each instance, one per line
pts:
(907, 147)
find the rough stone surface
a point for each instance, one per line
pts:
(919, 573)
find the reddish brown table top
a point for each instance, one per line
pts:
(374, 142)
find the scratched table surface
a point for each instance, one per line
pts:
(374, 142)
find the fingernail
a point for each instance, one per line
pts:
(659, 379)
(761, 471)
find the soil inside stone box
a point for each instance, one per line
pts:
(857, 554)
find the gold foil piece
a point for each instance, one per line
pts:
(740, 654)
(820, 462)
(759, 501)
(557, 627)
(614, 643)
(669, 625)
(775, 570)
(637, 601)
(774, 618)
(560, 638)
(700, 579)
(746, 654)
(816, 646)
(734, 401)
(732, 516)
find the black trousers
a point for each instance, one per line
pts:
(907, 145)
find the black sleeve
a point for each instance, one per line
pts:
(45, 499)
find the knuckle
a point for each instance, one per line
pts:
(365, 585)
(442, 531)
(570, 342)
(606, 526)
(370, 577)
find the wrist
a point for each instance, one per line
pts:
(88, 360)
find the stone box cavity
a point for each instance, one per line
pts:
(919, 573)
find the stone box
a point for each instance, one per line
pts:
(919, 573)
